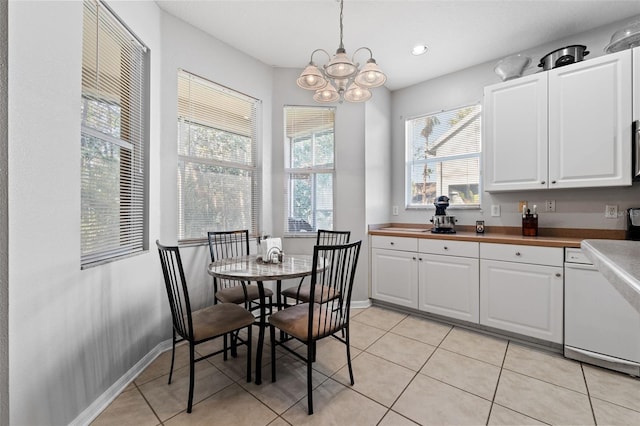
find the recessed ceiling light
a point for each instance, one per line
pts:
(419, 49)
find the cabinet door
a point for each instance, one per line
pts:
(515, 134)
(590, 123)
(449, 286)
(522, 298)
(394, 277)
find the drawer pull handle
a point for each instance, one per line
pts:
(518, 253)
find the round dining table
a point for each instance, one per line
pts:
(252, 269)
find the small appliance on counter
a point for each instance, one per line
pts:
(633, 224)
(442, 223)
(530, 221)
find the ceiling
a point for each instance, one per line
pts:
(459, 33)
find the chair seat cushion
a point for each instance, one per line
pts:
(295, 320)
(219, 319)
(235, 294)
(322, 292)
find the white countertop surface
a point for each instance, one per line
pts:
(619, 262)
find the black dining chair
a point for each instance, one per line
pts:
(301, 292)
(334, 268)
(201, 325)
(226, 244)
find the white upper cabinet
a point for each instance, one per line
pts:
(515, 125)
(590, 115)
(569, 127)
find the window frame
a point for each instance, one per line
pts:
(410, 162)
(99, 244)
(252, 168)
(312, 172)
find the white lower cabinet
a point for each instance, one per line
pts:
(394, 273)
(522, 297)
(514, 288)
(448, 279)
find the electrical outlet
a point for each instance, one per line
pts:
(550, 206)
(495, 210)
(394, 210)
(521, 206)
(611, 212)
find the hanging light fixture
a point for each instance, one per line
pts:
(341, 78)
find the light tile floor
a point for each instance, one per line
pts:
(408, 370)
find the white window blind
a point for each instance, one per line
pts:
(113, 138)
(218, 178)
(309, 173)
(443, 157)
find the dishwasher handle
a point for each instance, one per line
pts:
(584, 266)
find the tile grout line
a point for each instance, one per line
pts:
(586, 385)
(495, 391)
(414, 376)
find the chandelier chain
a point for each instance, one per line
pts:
(341, 6)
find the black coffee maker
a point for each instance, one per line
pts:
(633, 224)
(443, 223)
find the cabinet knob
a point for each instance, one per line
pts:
(553, 181)
(558, 274)
(518, 253)
(446, 248)
(392, 243)
(420, 259)
(414, 258)
(542, 183)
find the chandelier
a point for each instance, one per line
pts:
(341, 78)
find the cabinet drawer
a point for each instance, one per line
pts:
(394, 243)
(553, 256)
(448, 247)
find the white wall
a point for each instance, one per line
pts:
(4, 222)
(349, 185)
(185, 47)
(575, 208)
(73, 333)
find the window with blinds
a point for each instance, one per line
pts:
(218, 178)
(443, 157)
(113, 138)
(309, 168)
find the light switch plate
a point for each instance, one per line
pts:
(495, 210)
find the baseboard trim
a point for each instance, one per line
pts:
(103, 401)
(361, 304)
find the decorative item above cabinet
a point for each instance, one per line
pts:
(569, 127)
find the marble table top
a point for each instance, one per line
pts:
(619, 262)
(251, 268)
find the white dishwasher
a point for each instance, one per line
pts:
(600, 326)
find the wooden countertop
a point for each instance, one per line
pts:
(547, 237)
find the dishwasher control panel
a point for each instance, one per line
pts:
(575, 255)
